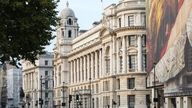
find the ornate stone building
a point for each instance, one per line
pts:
(104, 67)
(38, 82)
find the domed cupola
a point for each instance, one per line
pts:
(67, 12)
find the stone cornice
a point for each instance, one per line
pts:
(130, 28)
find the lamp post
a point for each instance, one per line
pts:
(41, 96)
(154, 99)
(63, 104)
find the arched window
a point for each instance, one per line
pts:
(69, 34)
(70, 22)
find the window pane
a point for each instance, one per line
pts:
(130, 20)
(132, 62)
(132, 40)
(131, 83)
(131, 101)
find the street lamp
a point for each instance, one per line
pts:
(63, 103)
(154, 99)
(41, 96)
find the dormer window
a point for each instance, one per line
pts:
(69, 34)
(70, 22)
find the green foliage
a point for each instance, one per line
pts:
(26, 26)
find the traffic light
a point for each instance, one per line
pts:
(70, 98)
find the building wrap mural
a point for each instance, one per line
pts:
(169, 44)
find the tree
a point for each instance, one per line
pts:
(26, 27)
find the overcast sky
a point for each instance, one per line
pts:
(87, 11)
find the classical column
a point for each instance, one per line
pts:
(71, 70)
(92, 65)
(111, 59)
(103, 62)
(75, 70)
(96, 65)
(124, 51)
(85, 71)
(187, 102)
(117, 56)
(88, 66)
(78, 70)
(179, 102)
(139, 54)
(100, 63)
(114, 60)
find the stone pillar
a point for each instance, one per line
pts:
(80, 69)
(187, 102)
(88, 66)
(92, 65)
(179, 102)
(139, 54)
(96, 65)
(117, 56)
(77, 70)
(103, 62)
(114, 60)
(85, 72)
(168, 103)
(124, 55)
(72, 75)
(100, 63)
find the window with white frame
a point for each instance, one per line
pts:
(132, 40)
(131, 101)
(130, 20)
(132, 61)
(131, 83)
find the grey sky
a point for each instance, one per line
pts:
(87, 11)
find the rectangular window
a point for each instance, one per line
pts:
(144, 59)
(144, 40)
(148, 102)
(132, 40)
(97, 88)
(46, 84)
(131, 101)
(118, 84)
(121, 63)
(106, 86)
(130, 20)
(46, 73)
(132, 62)
(107, 65)
(118, 100)
(46, 95)
(131, 83)
(106, 101)
(46, 62)
(119, 22)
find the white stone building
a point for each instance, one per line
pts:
(105, 66)
(38, 82)
(14, 85)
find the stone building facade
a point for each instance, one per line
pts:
(38, 82)
(104, 67)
